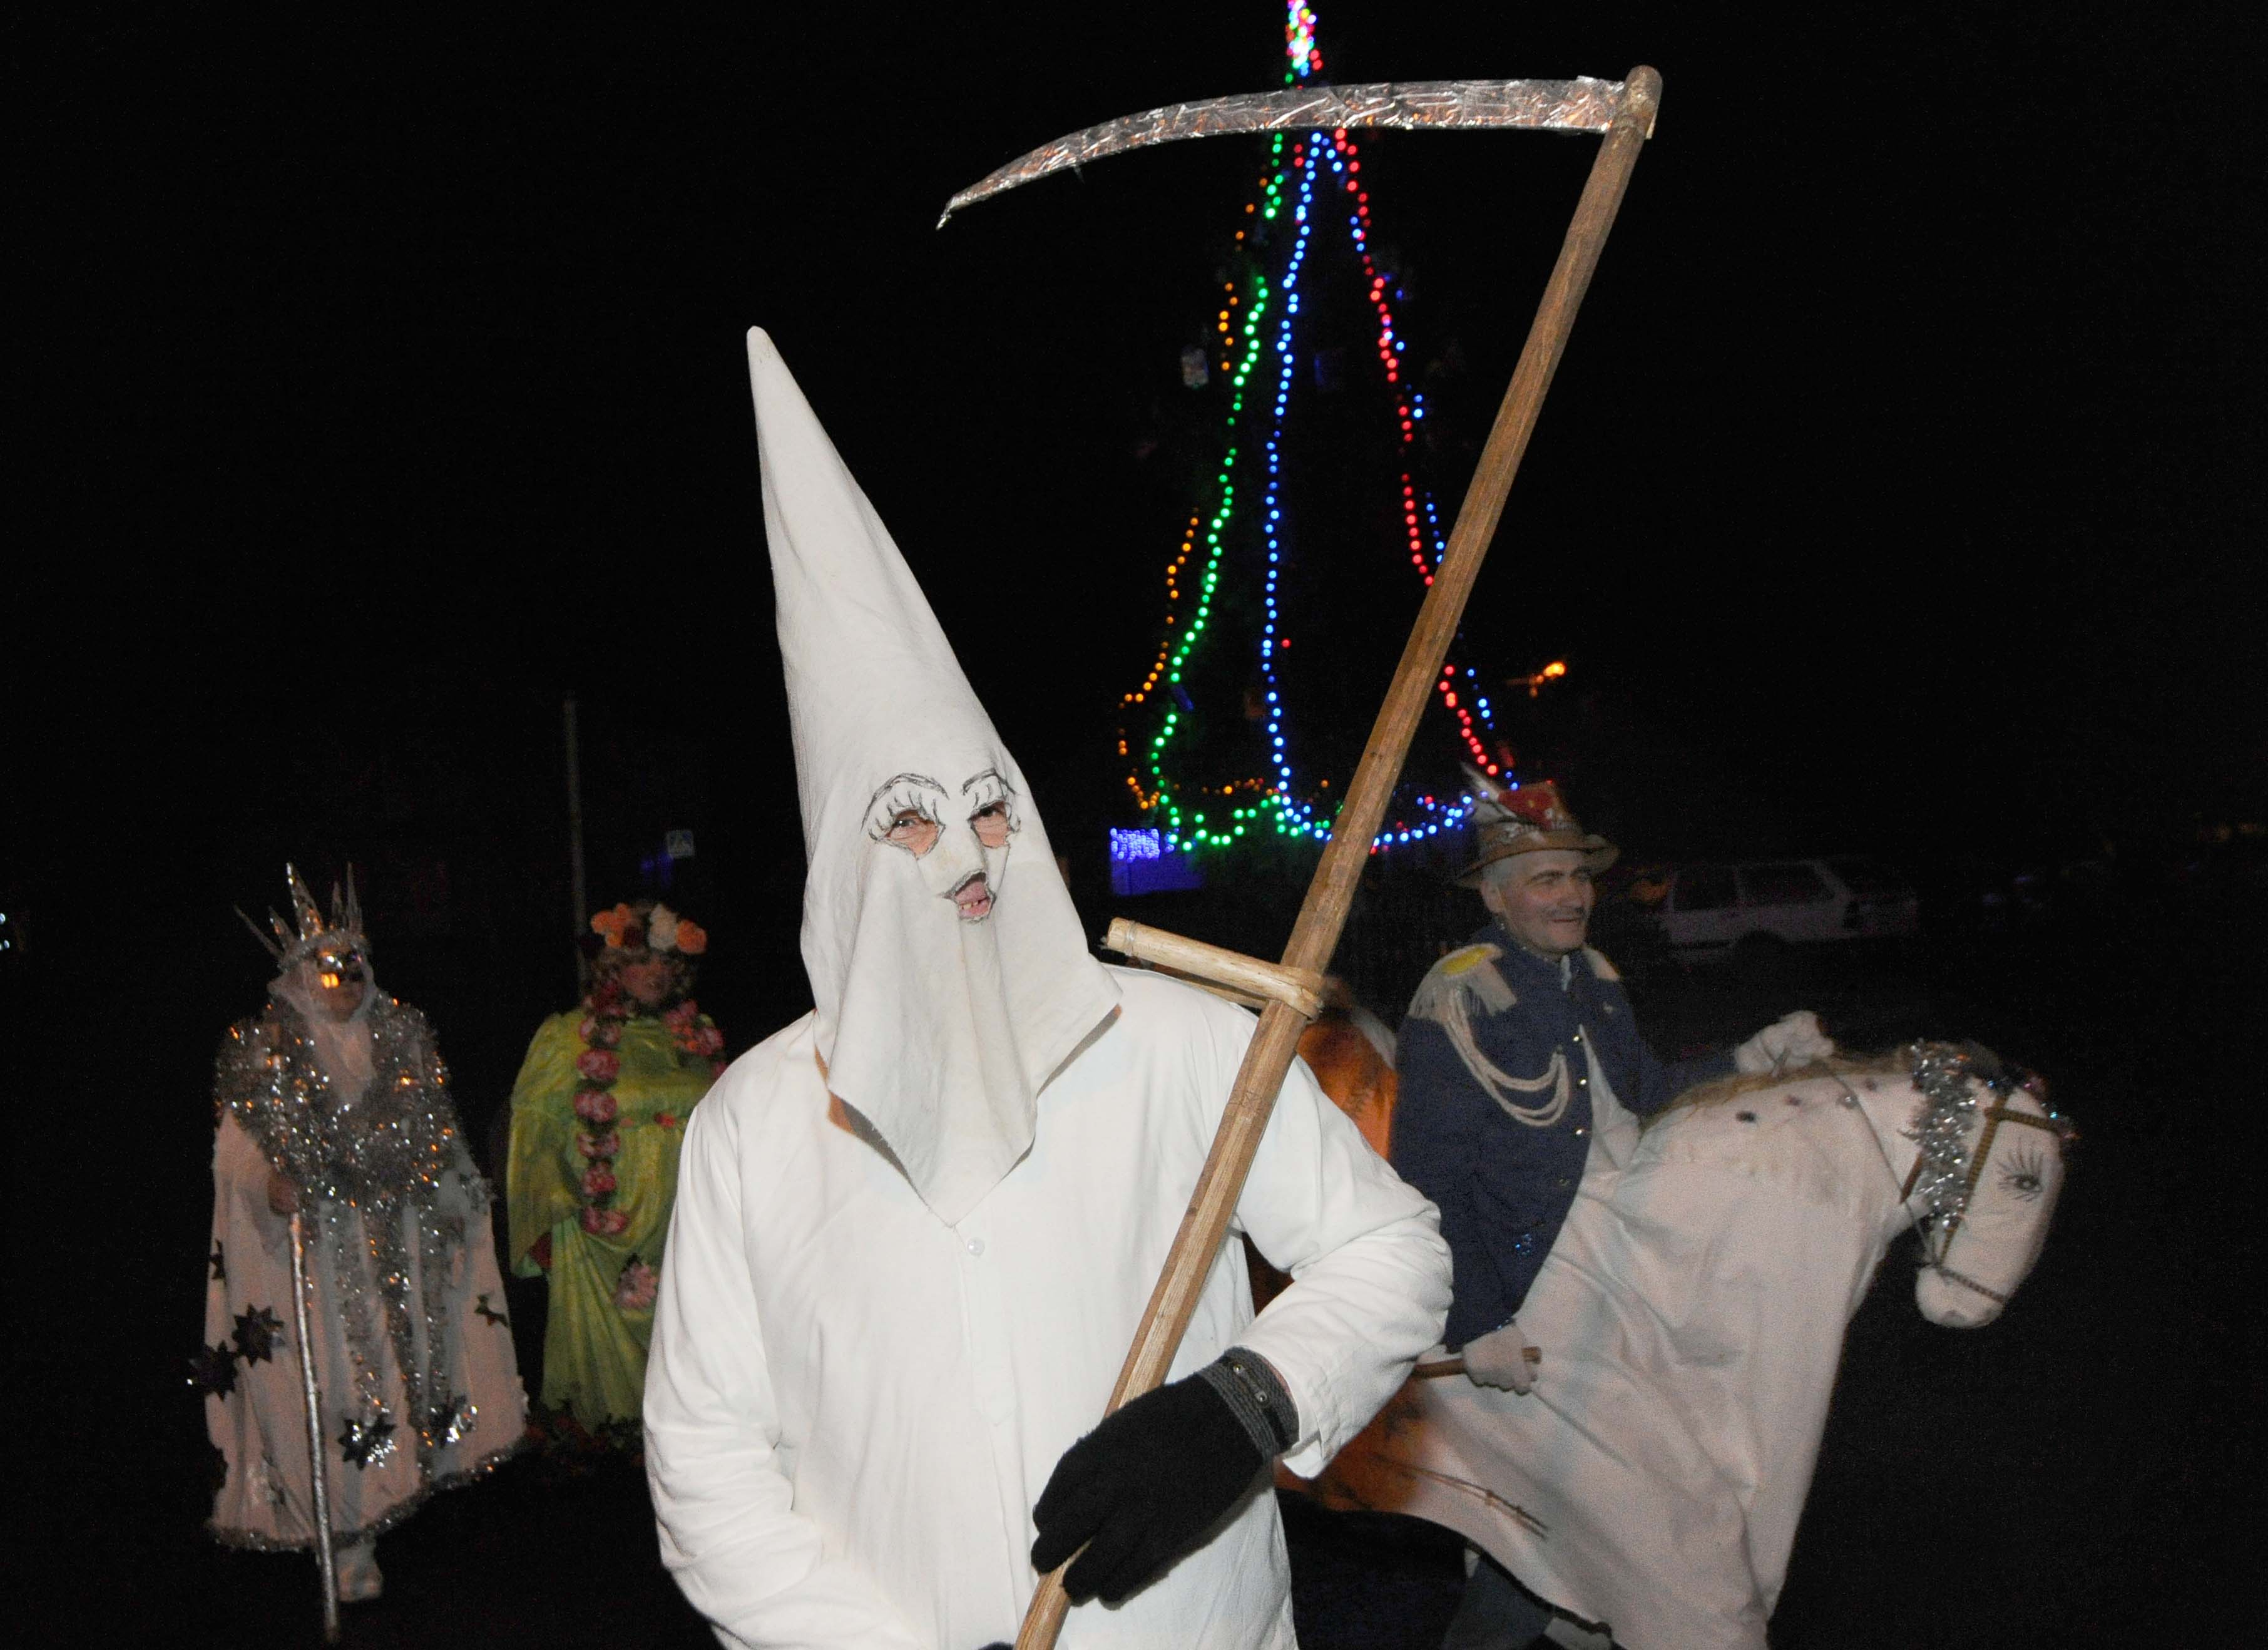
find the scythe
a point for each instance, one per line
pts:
(1623, 111)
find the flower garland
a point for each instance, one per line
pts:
(636, 1288)
(605, 1012)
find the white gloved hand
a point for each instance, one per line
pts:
(1789, 1041)
(1502, 1358)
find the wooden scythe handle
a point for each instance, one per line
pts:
(1315, 936)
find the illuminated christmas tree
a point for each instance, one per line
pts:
(1318, 532)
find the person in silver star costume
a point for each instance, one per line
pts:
(333, 1103)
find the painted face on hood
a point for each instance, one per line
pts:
(963, 860)
(945, 991)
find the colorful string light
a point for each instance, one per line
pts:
(1295, 180)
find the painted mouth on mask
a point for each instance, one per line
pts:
(972, 897)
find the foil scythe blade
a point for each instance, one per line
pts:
(1581, 104)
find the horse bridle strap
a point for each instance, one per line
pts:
(1967, 1282)
(1996, 1113)
(2053, 1125)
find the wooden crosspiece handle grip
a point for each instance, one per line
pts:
(1323, 914)
(1246, 979)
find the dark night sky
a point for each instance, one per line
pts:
(1902, 483)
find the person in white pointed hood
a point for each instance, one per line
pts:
(917, 1228)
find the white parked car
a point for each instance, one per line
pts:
(1758, 904)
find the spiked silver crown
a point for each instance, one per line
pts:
(342, 931)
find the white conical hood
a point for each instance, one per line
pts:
(938, 1025)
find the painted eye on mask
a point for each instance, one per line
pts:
(992, 824)
(912, 831)
(905, 812)
(991, 811)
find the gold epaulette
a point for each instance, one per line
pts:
(1468, 971)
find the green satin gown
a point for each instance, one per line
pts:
(595, 1346)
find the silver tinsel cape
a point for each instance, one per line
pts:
(397, 1220)
(393, 1141)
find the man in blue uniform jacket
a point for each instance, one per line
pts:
(1501, 1062)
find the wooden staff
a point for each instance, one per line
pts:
(1315, 936)
(318, 1473)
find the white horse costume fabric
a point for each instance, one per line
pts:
(1691, 1317)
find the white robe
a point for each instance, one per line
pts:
(851, 1407)
(267, 1499)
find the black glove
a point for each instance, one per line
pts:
(1140, 1489)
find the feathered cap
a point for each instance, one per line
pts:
(1522, 820)
(343, 931)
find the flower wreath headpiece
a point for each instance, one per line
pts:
(659, 929)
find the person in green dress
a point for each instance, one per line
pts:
(598, 1115)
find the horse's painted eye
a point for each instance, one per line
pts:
(2021, 1178)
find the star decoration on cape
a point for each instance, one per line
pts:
(367, 1444)
(219, 1263)
(450, 1420)
(258, 1331)
(482, 1309)
(212, 1370)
